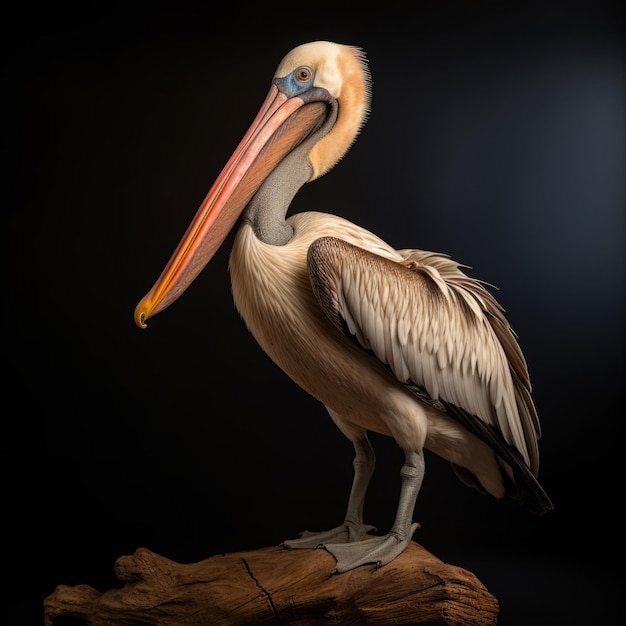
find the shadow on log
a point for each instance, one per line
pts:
(275, 586)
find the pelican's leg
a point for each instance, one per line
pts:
(382, 550)
(352, 528)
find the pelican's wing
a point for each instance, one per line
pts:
(438, 331)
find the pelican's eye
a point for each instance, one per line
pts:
(303, 74)
(296, 82)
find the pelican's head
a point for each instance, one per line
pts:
(319, 100)
(343, 73)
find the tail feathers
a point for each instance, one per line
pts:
(523, 488)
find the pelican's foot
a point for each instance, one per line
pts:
(346, 533)
(378, 550)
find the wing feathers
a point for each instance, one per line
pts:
(433, 326)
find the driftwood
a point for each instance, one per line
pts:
(276, 586)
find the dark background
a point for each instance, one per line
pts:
(496, 136)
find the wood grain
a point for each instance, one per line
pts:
(276, 586)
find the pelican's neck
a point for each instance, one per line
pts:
(268, 208)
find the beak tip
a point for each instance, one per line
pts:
(140, 316)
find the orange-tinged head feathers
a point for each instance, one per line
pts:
(343, 71)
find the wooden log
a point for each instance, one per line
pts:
(275, 586)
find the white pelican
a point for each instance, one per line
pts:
(397, 342)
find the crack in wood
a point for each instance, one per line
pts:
(267, 593)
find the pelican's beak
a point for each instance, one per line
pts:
(281, 125)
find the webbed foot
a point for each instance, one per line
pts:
(378, 550)
(344, 534)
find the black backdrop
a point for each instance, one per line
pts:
(496, 136)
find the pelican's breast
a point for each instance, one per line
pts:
(272, 292)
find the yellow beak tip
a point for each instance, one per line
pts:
(140, 317)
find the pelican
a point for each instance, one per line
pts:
(398, 342)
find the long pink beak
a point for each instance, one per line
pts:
(281, 125)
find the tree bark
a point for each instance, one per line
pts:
(275, 586)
